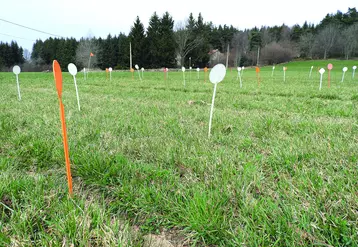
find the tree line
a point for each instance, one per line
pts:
(167, 44)
(10, 54)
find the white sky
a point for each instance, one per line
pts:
(77, 17)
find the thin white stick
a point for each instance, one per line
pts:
(184, 77)
(320, 82)
(198, 75)
(78, 97)
(272, 72)
(310, 73)
(18, 86)
(284, 75)
(140, 78)
(212, 110)
(240, 80)
(343, 76)
(142, 74)
(353, 73)
(110, 75)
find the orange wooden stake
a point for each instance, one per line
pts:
(58, 80)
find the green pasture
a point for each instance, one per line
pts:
(280, 168)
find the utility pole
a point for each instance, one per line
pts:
(130, 55)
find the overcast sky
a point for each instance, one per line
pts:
(75, 18)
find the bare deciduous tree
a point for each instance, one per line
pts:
(307, 43)
(84, 49)
(326, 39)
(182, 37)
(350, 40)
(241, 45)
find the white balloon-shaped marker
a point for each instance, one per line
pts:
(239, 76)
(73, 71)
(84, 73)
(110, 73)
(16, 70)
(309, 76)
(137, 68)
(217, 74)
(273, 69)
(183, 70)
(344, 71)
(354, 70)
(284, 74)
(321, 71)
(198, 70)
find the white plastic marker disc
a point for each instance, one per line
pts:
(354, 67)
(273, 67)
(167, 69)
(217, 74)
(110, 69)
(321, 71)
(183, 69)
(142, 69)
(311, 67)
(345, 69)
(190, 67)
(238, 68)
(16, 70)
(72, 69)
(136, 66)
(197, 69)
(243, 67)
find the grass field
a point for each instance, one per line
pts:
(280, 168)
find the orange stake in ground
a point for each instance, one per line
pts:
(205, 71)
(258, 75)
(58, 80)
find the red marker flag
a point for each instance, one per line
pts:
(91, 54)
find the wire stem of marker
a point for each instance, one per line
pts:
(320, 82)
(65, 146)
(18, 87)
(329, 78)
(212, 110)
(310, 73)
(184, 78)
(343, 76)
(78, 97)
(89, 64)
(284, 75)
(140, 78)
(240, 79)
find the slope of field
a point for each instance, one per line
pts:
(279, 169)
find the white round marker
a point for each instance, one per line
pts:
(321, 71)
(345, 69)
(16, 70)
(217, 74)
(197, 69)
(136, 67)
(183, 69)
(142, 69)
(110, 69)
(72, 69)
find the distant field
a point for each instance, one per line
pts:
(279, 170)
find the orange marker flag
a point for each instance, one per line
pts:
(58, 80)
(258, 75)
(91, 54)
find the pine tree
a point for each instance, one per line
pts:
(166, 42)
(137, 38)
(153, 39)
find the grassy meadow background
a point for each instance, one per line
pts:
(280, 168)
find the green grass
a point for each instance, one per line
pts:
(280, 167)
